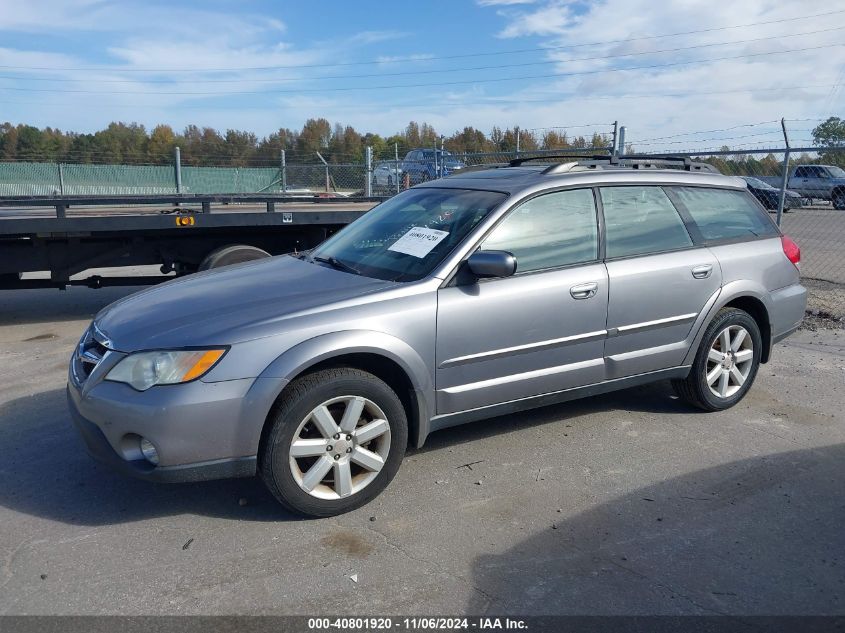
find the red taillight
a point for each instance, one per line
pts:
(791, 250)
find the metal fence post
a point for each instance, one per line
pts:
(622, 131)
(396, 165)
(368, 184)
(785, 175)
(177, 165)
(328, 179)
(61, 180)
(614, 147)
(283, 169)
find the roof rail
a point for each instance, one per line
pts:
(634, 161)
(516, 162)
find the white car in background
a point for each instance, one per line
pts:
(386, 175)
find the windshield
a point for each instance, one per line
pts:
(406, 237)
(836, 172)
(759, 184)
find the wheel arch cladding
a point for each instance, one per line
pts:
(387, 358)
(758, 311)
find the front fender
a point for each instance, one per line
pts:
(291, 363)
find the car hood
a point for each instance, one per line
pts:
(226, 306)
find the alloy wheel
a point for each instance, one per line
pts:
(340, 447)
(729, 361)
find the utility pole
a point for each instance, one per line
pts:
(283, 169)
(622, 131)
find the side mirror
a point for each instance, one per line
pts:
(492, 264)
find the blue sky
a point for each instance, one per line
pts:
(662, 69)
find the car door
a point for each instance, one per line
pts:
(812, 181)
(659, 280)
(538, 331)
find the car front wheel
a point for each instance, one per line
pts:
(726, 362)
(336, 439)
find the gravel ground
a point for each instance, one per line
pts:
(629, 503)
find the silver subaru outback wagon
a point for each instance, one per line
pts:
(468, 297)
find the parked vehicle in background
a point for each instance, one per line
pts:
(386, 175)
(821, 182)
(479, 295)
(423, 165)
(769, 196)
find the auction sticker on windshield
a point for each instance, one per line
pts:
(419, 241)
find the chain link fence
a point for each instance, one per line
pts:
(811, 185)
(809, 181)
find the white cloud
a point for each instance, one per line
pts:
(501, 3)
(652, 102)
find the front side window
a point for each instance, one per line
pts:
(724, 214)
(641, 220)
(549, 231)
(406, 237)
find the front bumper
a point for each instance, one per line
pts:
(200, 430)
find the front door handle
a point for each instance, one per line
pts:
(584, 291)
(703, 271)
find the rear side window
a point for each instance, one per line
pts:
(549, 231)
(724, 214)
(641, 220)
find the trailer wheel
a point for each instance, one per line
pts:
(233, 254)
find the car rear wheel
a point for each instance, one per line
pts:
(726, 363)
(336, 439)
(839, 200)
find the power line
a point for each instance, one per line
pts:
(434, 58)
(475, 102)
(426, 85)
(724, 129)
(426, 72)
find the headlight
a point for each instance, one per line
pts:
(145, 369)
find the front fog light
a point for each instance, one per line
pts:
(149, 451)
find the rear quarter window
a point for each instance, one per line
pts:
(723, 214)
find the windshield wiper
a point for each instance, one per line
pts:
(334, 262)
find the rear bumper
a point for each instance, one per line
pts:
(788, 306)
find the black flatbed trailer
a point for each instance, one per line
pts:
(180, 233)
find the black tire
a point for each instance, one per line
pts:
(838, 200)
(233, 254)
(694, 388)
(296, 403)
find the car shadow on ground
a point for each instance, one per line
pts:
(758, 536)
(46, 471)
(657, 398)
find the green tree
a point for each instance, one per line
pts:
(831, 133)
(161, 145)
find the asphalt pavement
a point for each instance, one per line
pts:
(629, 503)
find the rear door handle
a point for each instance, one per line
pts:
(584, 291)
(703, 271)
